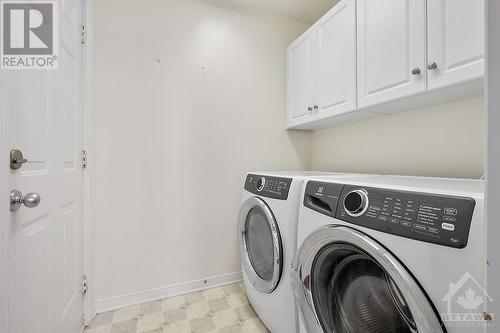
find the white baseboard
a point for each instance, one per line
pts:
(116, 302)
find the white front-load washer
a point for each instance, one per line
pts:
(391, 254)
(267, 230)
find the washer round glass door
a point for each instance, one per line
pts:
(345, 282)
(260, 245)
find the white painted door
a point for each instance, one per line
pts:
(335, 65)
(300, 80)
(455, 41)
(43, 118)
(391, 45)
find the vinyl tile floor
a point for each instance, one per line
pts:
(223, 310)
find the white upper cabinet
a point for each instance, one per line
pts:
(391, 50)
(321, 66)
(300, 80)
(366, 57)
(455, 41)
(335, 61)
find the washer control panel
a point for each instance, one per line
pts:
(270, 187)
(432, 218)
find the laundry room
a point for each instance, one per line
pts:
(283, 166)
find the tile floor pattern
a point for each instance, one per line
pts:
(223, 310)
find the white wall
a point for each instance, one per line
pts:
(171, 142)
(440, 141)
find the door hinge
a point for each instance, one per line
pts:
(84, 35)
(84, 159)
(85, 285)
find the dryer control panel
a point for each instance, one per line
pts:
(432, 218)
(270, 187)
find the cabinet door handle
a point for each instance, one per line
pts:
(432, 66)
(416, 71)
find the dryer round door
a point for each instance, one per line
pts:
(344, 281)
(260, 245)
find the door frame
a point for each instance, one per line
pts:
(87, 144)
(4, 216)
(87, 235)
(492, 162)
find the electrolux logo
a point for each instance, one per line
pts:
(29, 35)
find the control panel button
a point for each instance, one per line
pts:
(450, 211)
(420, 227)
(406, 224)
(448, 226)
(382, 218)
(449, 218)
(393, 220)
(356, 203)
(260, 184)
(434, 230)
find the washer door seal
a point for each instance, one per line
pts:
(260, 245)
(345, 281)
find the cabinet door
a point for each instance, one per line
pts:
(335, 60)
(391, 45)
(456, 41)
(299, 80)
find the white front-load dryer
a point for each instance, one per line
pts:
(267, 233)
(391, 254)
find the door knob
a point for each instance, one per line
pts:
(17, 199)
(432, 66)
